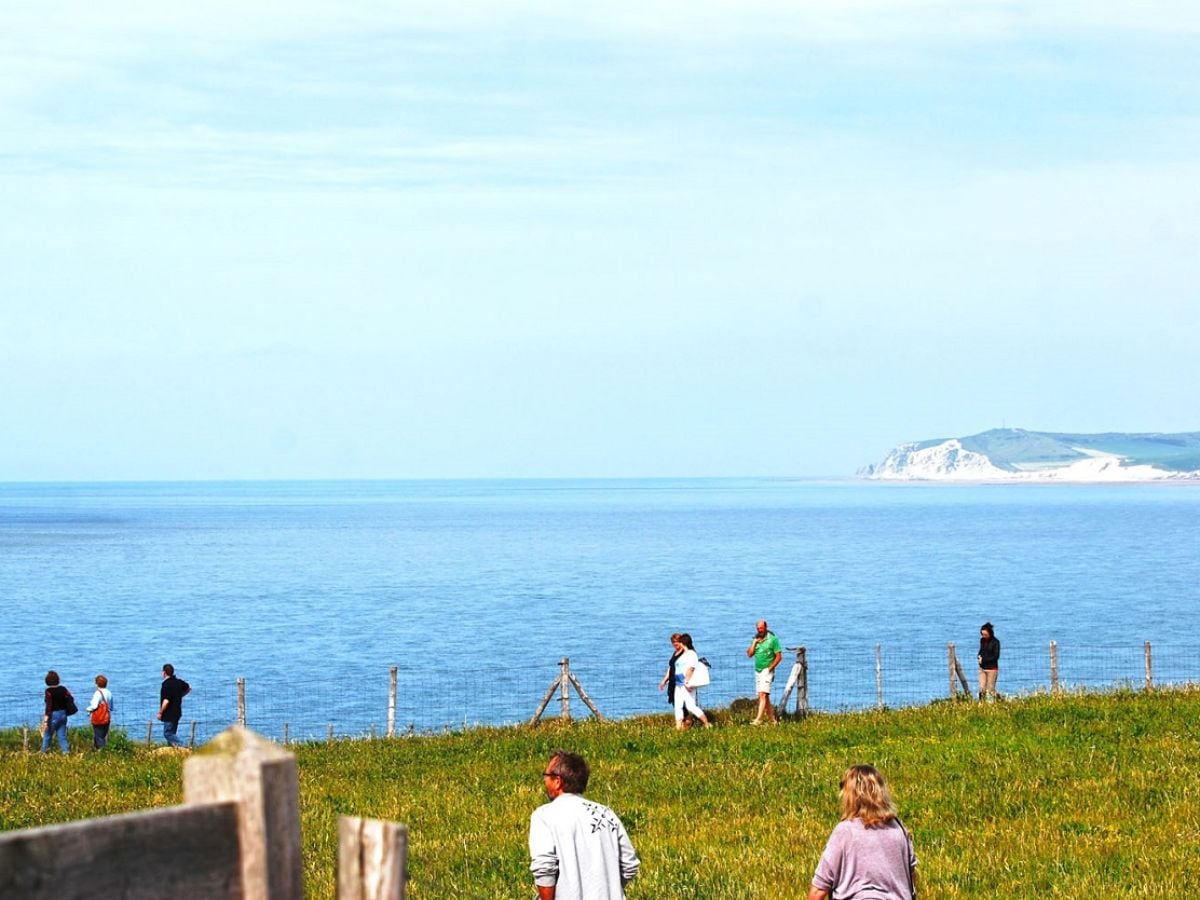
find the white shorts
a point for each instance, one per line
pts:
(763, 681)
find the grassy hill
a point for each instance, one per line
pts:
(1015, 448)
(1072, 796)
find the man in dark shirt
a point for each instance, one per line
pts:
(170, 709)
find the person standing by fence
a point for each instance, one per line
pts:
(58, 706)
(101, 712)
(767, 653)
(989, 660)
(578, 849)
(170, 708)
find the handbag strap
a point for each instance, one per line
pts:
(912, 887)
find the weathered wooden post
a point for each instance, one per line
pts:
(372, 859)
(285, 734)
(797, 681)
(1149, 668)
(192, 737)
(261, 778)
(24, 738)
(802, 681)
(1054, 667)
(372, 731)
(329, 736)
(950, 657)
(241, 702)
(149, 732)
(564, 679)
(879, 676)
(584, 697)
(391, 725)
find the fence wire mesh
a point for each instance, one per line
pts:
(840, 678)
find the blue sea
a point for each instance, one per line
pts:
(475, 590)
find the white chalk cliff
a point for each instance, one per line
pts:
(1007, 455)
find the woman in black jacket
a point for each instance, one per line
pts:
(989, 660)
(58, 699)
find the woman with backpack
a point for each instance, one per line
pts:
(59, 705)
(101, 712)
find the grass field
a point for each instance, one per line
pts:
(1070, 796)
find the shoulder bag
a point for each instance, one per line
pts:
(101, 714)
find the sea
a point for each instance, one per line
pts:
(474, 592)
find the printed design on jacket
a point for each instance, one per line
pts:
(602, 817)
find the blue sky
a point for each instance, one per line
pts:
(268, 240)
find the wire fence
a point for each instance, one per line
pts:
(363, 703)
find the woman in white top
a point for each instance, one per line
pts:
(685, 694)
(102, 697)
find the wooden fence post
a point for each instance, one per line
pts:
(261, 778)
(192, 738)
(24, 738)
(798, 681)
(285, 734)
(564, 680)
(149, 732)
(1149, 668)
(372, 859)
(1054, 667)
(584, 697)
(391, 725)
(329, 737)
(241, 701)
(802, 682)
(879, 675)
(950, 658)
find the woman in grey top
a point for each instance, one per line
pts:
(869, 855)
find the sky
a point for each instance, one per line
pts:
(615, 239)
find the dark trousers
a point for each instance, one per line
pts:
(99, 736)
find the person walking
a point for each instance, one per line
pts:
(578, 849)
(989, 661)
(690, 674)
(100, 709)
(170, 707)
(668, 680)
(58, 706)
(869, 854)
(767, 653)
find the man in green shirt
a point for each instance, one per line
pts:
(767, 653)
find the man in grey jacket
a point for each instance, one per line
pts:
(579, 850)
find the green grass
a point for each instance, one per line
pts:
(1074, 796)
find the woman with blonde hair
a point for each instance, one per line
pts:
(869, 853)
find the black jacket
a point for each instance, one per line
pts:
(989, 653)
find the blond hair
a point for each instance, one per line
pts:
(865, 796)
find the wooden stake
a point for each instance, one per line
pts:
(545, 700)
(584, 697)
(192, 738)
(1149, 668)
(262, 778)
(372, 859)
(950, 664)
(879, 675)
(1054, 667)
(564, 680)
(241, 701)
(391, 720)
